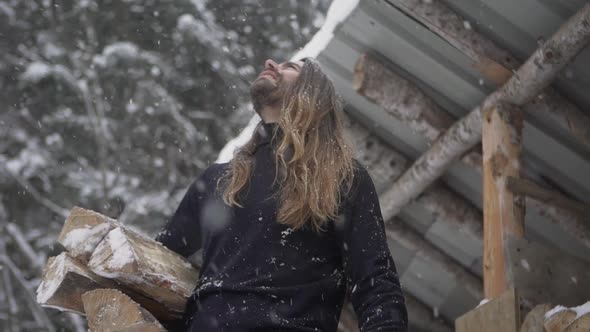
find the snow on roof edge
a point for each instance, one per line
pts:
(336, 14)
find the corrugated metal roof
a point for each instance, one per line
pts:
(442, 72)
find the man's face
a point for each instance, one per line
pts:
(270, 86)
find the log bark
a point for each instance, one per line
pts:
(146, 267)
(528, 81)
(83, 230)
(112, 310)
(494, 63)
(503, 210)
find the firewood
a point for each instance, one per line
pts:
(581, 324)
(557, 319)
(64, 281)
(145, 266)
(112, 310)
(528, 81)
(82, 232)
(533, 322)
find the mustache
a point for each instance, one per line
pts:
(270, 72)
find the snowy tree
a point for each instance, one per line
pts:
(117, 106)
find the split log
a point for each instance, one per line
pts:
(557, 319)
(145, 266)
(581, 324)
(494, 63)
(529, 80)
(82, 232)
(533, 322)
(64, 281)
(112, 310)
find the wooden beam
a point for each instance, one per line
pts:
(503, 213)
(533, 76)
(531, 189)
(493, 63)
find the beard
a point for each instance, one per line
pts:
(264, 92)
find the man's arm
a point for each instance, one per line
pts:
(182, 233)
(376, 293)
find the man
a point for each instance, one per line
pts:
(290, 223)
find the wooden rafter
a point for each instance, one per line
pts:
(414, 108)
(529, 80)
(492, 62)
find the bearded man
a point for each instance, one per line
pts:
(291, 226)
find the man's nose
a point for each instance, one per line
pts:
(269, 64)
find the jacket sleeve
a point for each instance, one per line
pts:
(182, 233)
(376, 293)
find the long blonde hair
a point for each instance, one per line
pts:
(313, 156)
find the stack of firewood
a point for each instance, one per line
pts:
(115, 276)
(120, 279)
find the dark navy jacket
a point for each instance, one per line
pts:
(259, 275)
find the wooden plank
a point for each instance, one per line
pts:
(499, 314)
(503, 211)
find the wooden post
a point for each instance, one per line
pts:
(503, 211)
